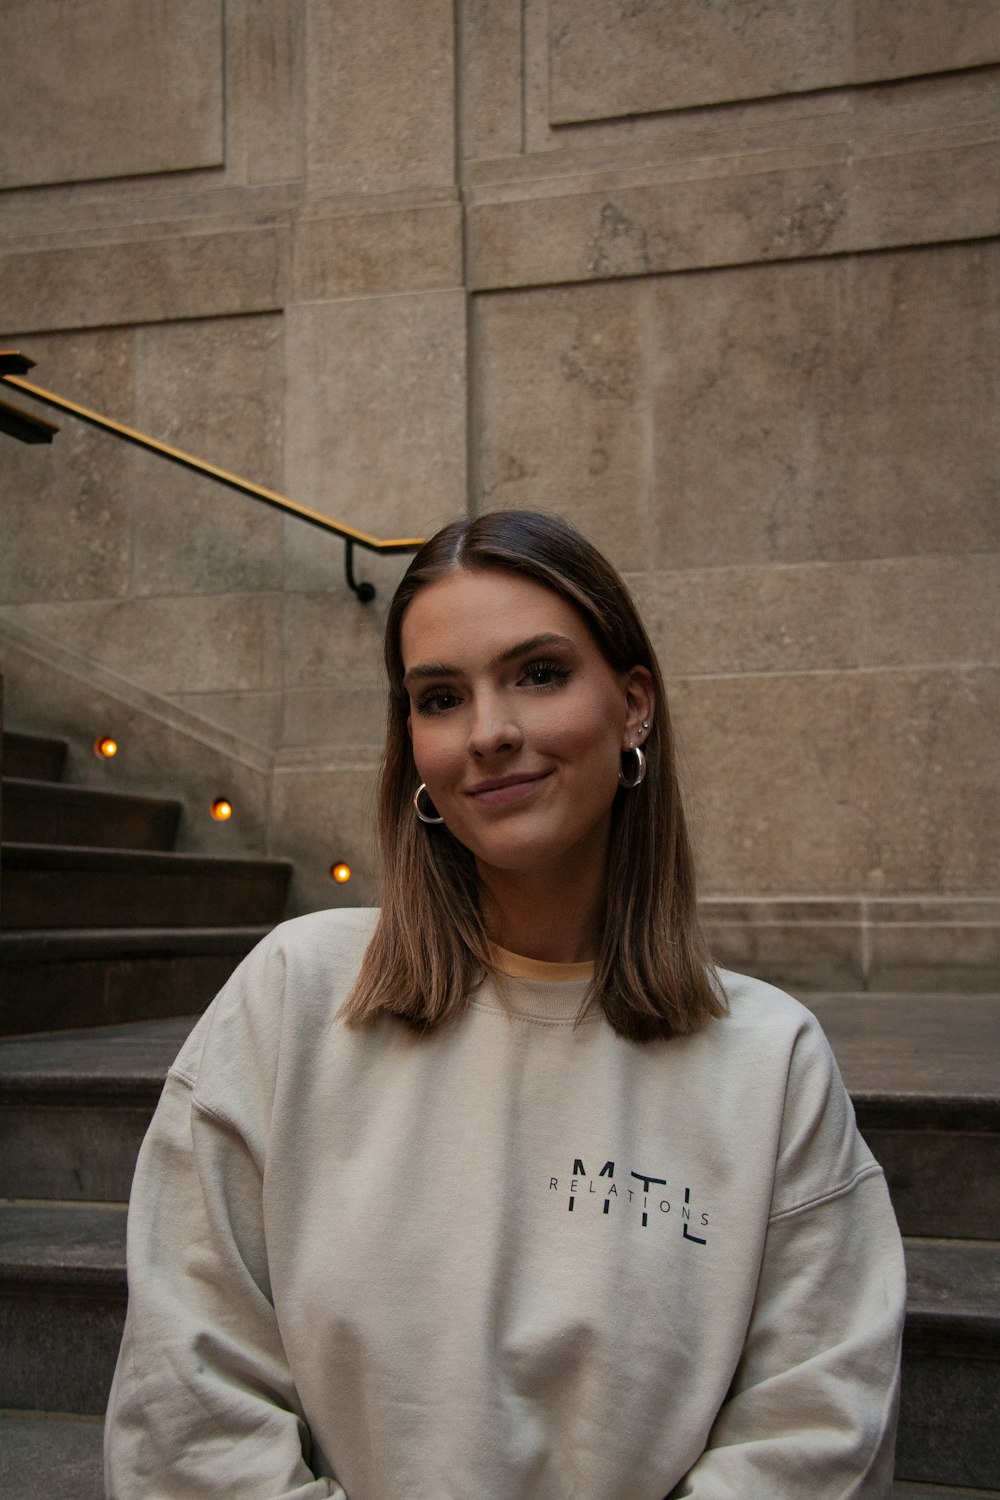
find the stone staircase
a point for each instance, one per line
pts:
(105, 960)
(104, 928)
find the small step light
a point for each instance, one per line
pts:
(340, 873)
(105, 748)
(221, 809)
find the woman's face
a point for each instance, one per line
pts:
(517, 721)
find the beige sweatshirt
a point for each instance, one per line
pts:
(517, 1259)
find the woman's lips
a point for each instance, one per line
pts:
(505, 791)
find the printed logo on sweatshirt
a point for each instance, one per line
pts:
(651, 1200)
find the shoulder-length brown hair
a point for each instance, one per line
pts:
(653, 977)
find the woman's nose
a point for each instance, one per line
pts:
(493, 729)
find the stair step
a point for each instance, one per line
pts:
(924, 1074)
(55, 812)
(74, 1107)
(33, 755)
(43, 1454)
(904, 1489)
(62, 1305)
(56, 980)
(46, 886)
(951, 1364)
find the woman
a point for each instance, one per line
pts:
(505, 1193)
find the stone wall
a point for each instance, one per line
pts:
(719, 282)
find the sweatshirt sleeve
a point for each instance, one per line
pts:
(203, 1405)
(812, 1406)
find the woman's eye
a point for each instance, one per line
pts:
(437, 702)
(545, 674)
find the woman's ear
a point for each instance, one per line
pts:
(640, 706)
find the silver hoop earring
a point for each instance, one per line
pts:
(640, 771)
(416, 803)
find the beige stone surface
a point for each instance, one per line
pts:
(491, 83)
(927, 769)
(963, 959)
(320, 817)
(755, 619)
(375, 410)
(331, 642)
(344, 716)
(799, 957)
(392, 250)
(611, 58)
(145, 281)
(930, 610)
(265, 90)
(214, 388)
(774, 793)
(379, 95)
(720, 219)
(750, 426)
(742, 207)
(255, 717)
(65, 522)
(109, 88)
(923, 365)
(915, 196)
(829, 409)
(924, 36)
(198, 643)
(561, 416)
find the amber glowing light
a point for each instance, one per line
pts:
(106, 748)
(340, 873)
(221, 809)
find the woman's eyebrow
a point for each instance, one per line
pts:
(524, 648)
(432, 669)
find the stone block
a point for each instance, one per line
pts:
(908, 195)
(148, 280)
(922, 364)
(396, 250)
(214, 388)
(925, 766)
(379, 95)
(562, 419)
(770, 768)
(252, 717)
(265, 90)
(797, 956)
(207, 643)
(331, 643)
(924, 36)
(958, 957)
(749, 428)
(723, 217)
(798, 617)
(932, 610)
(491, 79)
(109, 88)
(610, 58)
(347, 716)
(375, 415)
(321, 815)
(65, 527)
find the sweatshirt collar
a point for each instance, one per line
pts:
(534, 990)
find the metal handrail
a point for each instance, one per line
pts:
(13, 367)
